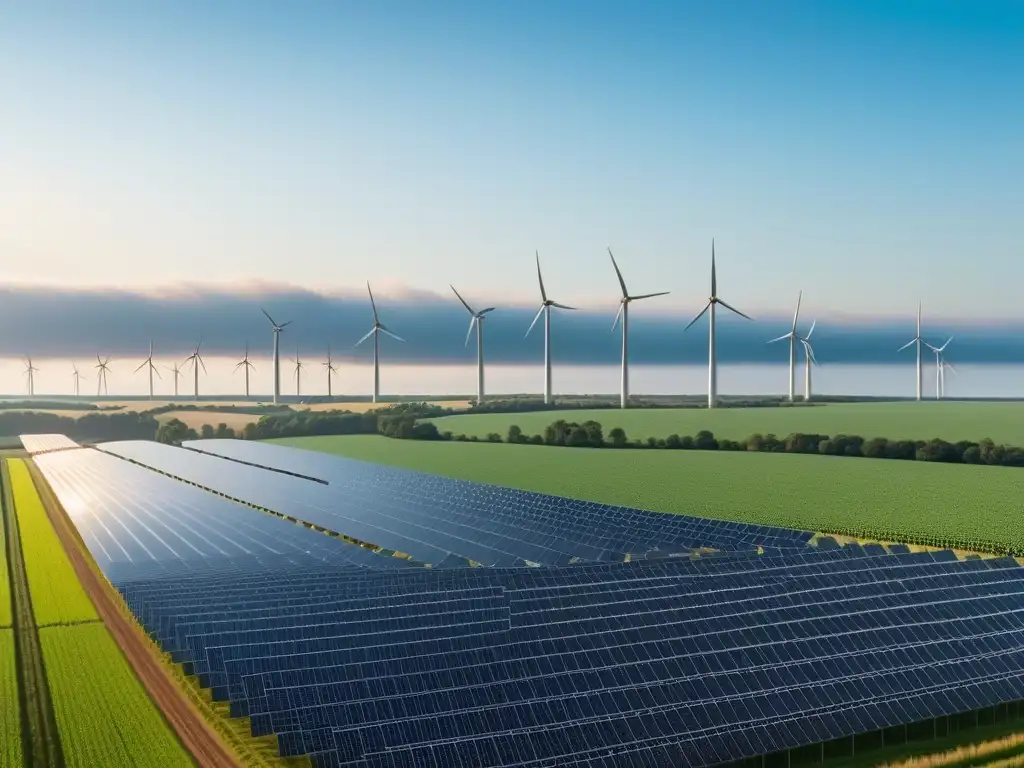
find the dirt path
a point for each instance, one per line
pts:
(206, 747)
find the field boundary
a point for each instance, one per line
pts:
(39, 733)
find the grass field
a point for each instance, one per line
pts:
(10, 722)
(820, 493)
(57, 596)
(5, 583)
(196, 419)
(952, 421)
(104, 715)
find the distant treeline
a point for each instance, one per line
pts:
(254, 409)
(91, 426)
(54, 405)
(599, 402)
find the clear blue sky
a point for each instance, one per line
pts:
(869, 152)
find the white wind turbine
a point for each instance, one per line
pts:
(545, 309)
(152, 369)
(298, 372)
(329, 366)
(476, 320)
(30, 375)
(916, 340)
(809, 358)
(712, 357)
(177, 374)
(246, 364)
(793, 338)
(196, 360)
(376, 331)
(940, 368)
(77, 376)
(102, 368)
(277, 349)
(623, 314)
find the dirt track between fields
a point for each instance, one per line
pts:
(205, 746)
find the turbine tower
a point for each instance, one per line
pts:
(77, 376)
(177, 373)
(330, 370)
(298, 372)
(376, 331)
(809, 358)
(103, 367)
(916, 340)
(946, 367)
(30, 375)
(623, 313)
(196, 360)
(793, 337)
(476, 320)
(244, 363)
(545, 309)
(152, 369)
(277, 356)
(940, 368)
(713, 300)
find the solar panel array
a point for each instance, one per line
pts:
(357, 658)
(43, 443)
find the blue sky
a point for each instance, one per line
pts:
(870, 153)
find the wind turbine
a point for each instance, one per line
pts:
(244, 363)
(196, 359)
(476, 320)
(946, 367)
(808, 359)
(77, 376)
(713, 300)
(545, 309)
(916, 340)
(298, 372)
(330, 369)
(793, 338)
(277, 356)
(103, 367)
(152, 369)
(940, 367)
(376, 331)
(30, 375)
(177, 373)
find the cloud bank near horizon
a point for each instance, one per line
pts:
(61, 322)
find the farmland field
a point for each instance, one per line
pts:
(5, 582)
(196, 419)
(104, 715)
(57, 596)
(952, 421)
(10, 723)
(820, 493)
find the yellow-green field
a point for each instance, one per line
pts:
(952, 421)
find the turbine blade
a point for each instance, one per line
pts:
(733, 309)
(943, 347)
(462, 300)
(615, 322)
(157, 373)
(813, 323)
(698, 317)
(372, 331)
(535, 319)
(268, 317)
(562, 306)
(936, 350)
(372, 302)
(282, 325)
(392, 335)
(950, 367)
(648, 295)
(141, 366)
(540, 279)
(796, 314)
(906, 345)
(714, 277)
(485, 311)
(472, 322)
(780, 338)
(618, 274)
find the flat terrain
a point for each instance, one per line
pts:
(952, 421)
(196, 419)
(820, 493)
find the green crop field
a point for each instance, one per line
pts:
(952, 421)
(57, 596)
(10, 723)
(882, 499)
(104, 715)
(5, 583)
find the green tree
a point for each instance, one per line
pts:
(515, 434)
(618, 437)
(174, 432)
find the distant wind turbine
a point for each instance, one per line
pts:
(277, 352)
(330, 370)
(713, 300)
(196, 360)
(30, 375)
(946, 367)
(376, 331)
(298, 372)
(623, 314)
(793, 338)
(545, 309)
(476, 320)
(246, 364)
(809, 358)
(103, 367)
(177, 374)
(940, 368)
(77, 376)
(152, 369)
(918, 341)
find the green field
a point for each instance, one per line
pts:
(57, 595)
(10, 723)
(952, 421)
(104, 714)
(5, 583)
(918, 500)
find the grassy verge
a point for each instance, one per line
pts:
(10, 708)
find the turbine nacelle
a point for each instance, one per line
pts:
(545, 302)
